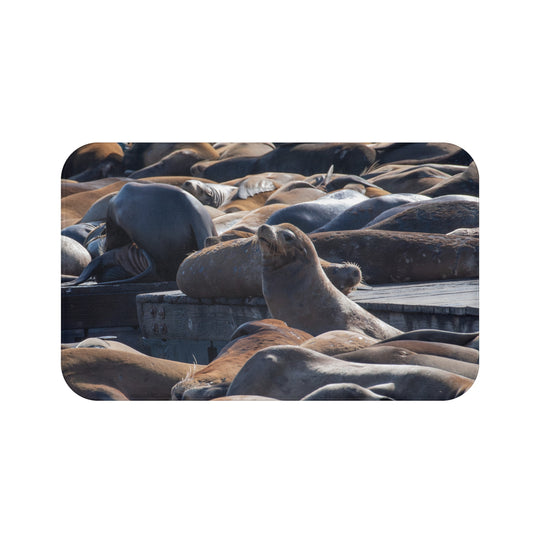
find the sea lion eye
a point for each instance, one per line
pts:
(288, 236)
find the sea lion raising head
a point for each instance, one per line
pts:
(298, 292)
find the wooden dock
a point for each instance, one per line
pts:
(179, 327)
(157, 319)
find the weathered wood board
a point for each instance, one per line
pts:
(178, 327)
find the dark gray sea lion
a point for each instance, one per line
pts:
(298, 292)
(415, 204)
(360, 214)
(126, 264)
(420, 153)
(433, 216)
(80, 231)
(164, 221)
(291, 373)
(395, 256)
(311, 215)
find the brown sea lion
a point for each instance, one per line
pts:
(132, 375)
(74, 206)
(337, 342)
(291, 373)
(465, 183)
(93, 161)
(298, 292)
(178, 162)
(395, 256)
(448, 350)
(233, 269)
(392, 354)
(294, 193)
(247, 339)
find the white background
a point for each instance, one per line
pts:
(461, 72)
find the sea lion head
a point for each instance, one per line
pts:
(283, 244)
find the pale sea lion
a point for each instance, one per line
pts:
(75, 257)
(298, 292)
(209, 193)
(344, 392)
(291, 373)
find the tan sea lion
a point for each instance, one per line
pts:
(298, 292)
(233, 269)
(134, 376)
(338, 342)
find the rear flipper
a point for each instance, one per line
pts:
(442, 336)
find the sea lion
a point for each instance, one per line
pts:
(126, 264)
(344, 392)
(464, 182)
(228, 150)
(93, 161)
(209, 193)
(136, 376)
(311, 215)
(75, 257)
(396, 256)
(233, 269)
(73, 207)
(302, 158)
(164, 221)
(294, 193)
(419, 153)
(431, 216)
(392, 354)
(298, 292)
(360, 214)
(290, 373)
(338, 342)
(246, 340)
(448, 350)
(178, 162)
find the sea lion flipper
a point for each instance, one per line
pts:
(441, 336)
